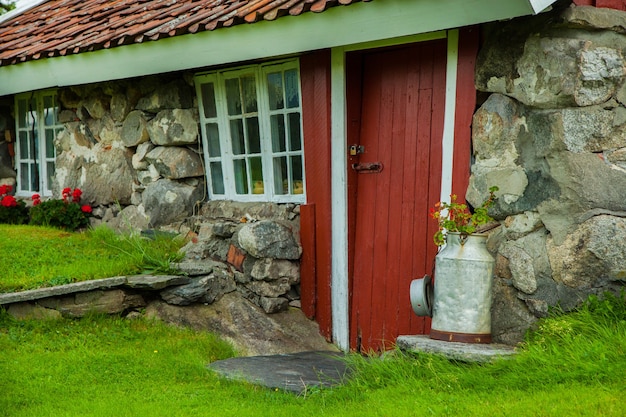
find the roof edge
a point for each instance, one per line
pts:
(539, 6)
(18, 11)
(337, 27)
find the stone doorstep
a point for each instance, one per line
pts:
(154, 282)
(465, 352)
(294, 372)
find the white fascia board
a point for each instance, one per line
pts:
(338, 26)
(540, 5)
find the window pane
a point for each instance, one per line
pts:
(295, 142)
(208, 100)
(49, 174)
(23, 144)
(233, 96)
(236, 136)
(241, 176)
(49, 143)
(34, 177)
(275, 90)
(256, 172)
(254, 138)
(35, 143)
(277, 122)
(213, 139)
(249, 93)
(49, 110)
(296, 174)
(217, 178)
(291, 88)
(281, 183)
(22, 118)
(24, 181)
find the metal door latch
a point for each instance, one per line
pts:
(356, 149)
(368, 167)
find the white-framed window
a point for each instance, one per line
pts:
(251, 122)
(37, 126)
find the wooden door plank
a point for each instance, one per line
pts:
(366, 205)
(414, 161)
(308, 260)
(315, 86)
(385, 138)
(396, 176)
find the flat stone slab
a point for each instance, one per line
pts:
(39, 293)
(143, 282)
(155, 282)
(465, 352)
(294, 372)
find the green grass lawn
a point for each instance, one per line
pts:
(37, 256)
(571, 365)
(108, 366)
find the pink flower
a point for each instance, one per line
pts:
(86, 209)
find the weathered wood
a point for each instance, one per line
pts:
(315, 85)
(401, 125)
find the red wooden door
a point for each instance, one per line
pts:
(395, 108)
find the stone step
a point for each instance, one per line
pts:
(295, 372)
(465, 352)
(146, 282)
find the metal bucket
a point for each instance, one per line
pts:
(462, 290)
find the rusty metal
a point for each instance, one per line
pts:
(368, 167)
(460, 337)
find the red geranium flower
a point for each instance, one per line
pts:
(76, 195)
(8, 201)
(86, 209)
(36, 199)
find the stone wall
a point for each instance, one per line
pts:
(134, 146)
(246, 247)
(551, 134)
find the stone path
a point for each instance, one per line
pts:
(295, 372)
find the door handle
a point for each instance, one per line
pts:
(368, 167)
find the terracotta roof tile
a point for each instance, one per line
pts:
(64, 27)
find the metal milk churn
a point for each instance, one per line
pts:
(462, 290)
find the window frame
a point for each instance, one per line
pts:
(263, 114)
(36, 130)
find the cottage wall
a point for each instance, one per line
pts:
(133, 147)
(551, 133)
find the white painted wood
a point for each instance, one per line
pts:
(339, 203)
(447, 154)
(540, 5)
(338, 26)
